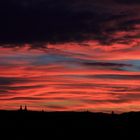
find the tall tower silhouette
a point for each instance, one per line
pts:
(25, 109)
(20, 108)
(112, 113)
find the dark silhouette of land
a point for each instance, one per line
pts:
(71, 123)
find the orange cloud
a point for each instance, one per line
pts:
(91, 77)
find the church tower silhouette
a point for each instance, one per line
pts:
(20, 108)
(25, 108)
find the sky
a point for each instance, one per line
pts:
(60, 55)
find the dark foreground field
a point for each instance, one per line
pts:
(70, 124)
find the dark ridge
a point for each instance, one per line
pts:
(70, 124)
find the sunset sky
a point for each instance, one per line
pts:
(63, 55)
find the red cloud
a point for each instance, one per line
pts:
(85, 84)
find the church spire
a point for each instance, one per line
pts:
(20, 108)
(25, 109)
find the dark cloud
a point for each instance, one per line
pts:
(11, 80)
(113, 76)
(128, 1)
(51, 21)
(105, 64)
(57, 21)
(13, 88)
(125, 89)
(7, 85)
(25, 98)
(133, 96)
(117, 76)
(119, 100)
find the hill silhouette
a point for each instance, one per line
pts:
(71, 123)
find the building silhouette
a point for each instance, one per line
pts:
(25, 108)
(21, 108)
(112, 113)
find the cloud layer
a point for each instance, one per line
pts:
(60, 21)
(56, 80)
(70, 55)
